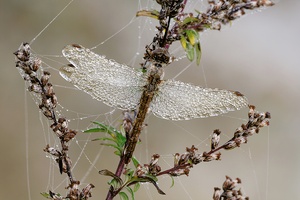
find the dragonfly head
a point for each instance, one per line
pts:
(161, 57)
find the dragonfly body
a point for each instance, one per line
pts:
(145, 100)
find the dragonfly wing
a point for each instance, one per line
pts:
(112, 83)
(181, 101)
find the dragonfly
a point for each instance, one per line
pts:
(123, 87)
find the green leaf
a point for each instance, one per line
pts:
(183, 42)
(116, 136)
(114, 184)
(111, 145)
(118, 153)
(93, 130)
(100, 128)
(190, 52)
(198, 53)
(135, 161)
(189, 20)
(123, 196)
(106, 172)
(148, 178)
(45, 194)
(131, 192)
(103, 139)
(129, 174)
(192, 36)
(172, 178)
(136, 187)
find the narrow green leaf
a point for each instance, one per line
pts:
(135, 161)
(112, 145)
(129, 173)
(197, 11)
(192, 36)
(190, 52)
(136, 187)
(106, 172)
(153, 178)
(189, 20)
(93, 130)
(198, 52)
(115, 184)
(158, 189)
(45, 194)
(183, 42)
(103, 139)
(105, 128)
(131, 192)
(123, 196)
(118, 153)
(147, 178)
(173, 182)
(120, 140)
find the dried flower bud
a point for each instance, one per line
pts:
(183, 158)
(23, 53)
(215, 139)
(229, 190)
(69, 135)
(52, 151)
(176, 159)
(54, 100)
(45, 78)
(86, 192)
(35, 88)
(139, 171)
(49, 91)
(64, 164)
(36, 64)
(154, 159)
(217, 193)
(47, 113)
(74, 192)
(207, 157)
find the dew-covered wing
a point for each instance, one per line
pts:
(112, 83)
(181, 101)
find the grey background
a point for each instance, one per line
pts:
(257, 56)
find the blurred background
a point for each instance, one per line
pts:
(257, 55)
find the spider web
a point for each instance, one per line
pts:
(111, 29)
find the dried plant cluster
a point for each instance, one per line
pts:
(29, 66)
(174, 25)
(229, 190)
(183, 162)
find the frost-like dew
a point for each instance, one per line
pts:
(120, 86)
(105, 80)
(181, 101)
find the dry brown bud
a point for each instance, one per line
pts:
(215, 139)
(36, 64)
